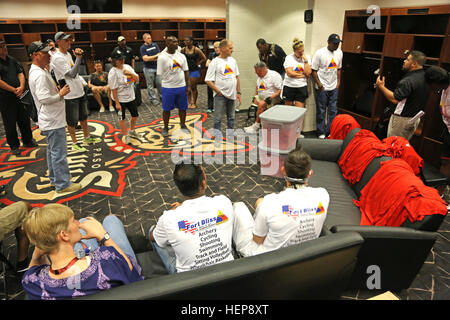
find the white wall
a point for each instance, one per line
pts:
(56, 9)
(275, 21)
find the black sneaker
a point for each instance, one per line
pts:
(31, 144)
(15, 151)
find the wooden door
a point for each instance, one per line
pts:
(352, 42)
(398, 45)
(158, 35)
(98, 36)
(130, 36)
(211, 34)
(30, 37)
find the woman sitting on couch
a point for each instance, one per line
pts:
(67, 272)
(282, 219)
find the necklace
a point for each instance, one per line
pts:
(59, 271)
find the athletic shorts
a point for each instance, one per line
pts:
(76, 110)
(194, 74)
(132, 108)
(174, 98)
(295, 94)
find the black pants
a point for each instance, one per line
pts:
(210, 98)
(13, 112)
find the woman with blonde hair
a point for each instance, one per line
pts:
(295, 84)
(73, 259)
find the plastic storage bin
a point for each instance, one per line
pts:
(285, 119)
(271, 160)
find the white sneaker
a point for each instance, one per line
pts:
(126, 139)
(322, 136)
(112, 109)
(301, 136)
(102, 109)
(254, 128)
(134, 134)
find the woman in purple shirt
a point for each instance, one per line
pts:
(63, 266)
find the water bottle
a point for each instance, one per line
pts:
(119, 113)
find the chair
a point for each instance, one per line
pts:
(4, 275)
(251, 114)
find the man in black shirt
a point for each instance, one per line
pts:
(128, 52)
(98, 82)
(410, 96)
(272, 55)
(12, 86)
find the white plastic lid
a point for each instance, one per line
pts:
(270, 150)
(283, 114)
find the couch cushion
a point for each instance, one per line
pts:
(342, 210)
(349, 138)
(368, 173)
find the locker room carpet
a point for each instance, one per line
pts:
(135, 183)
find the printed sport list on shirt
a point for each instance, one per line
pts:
(212, 249)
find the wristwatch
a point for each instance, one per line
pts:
(106, 237)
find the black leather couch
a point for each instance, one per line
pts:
(399, 252)
(317, 269)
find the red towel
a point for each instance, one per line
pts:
(395, 194)
(342, 124)
(401, 149)
(362, 149)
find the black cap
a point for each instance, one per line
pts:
(37, 46)
(118, 54)
(334, 38)
(62, 36)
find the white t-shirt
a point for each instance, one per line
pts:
(290, 217)
(200, 232)
(223, 73)
(327, 64)
(269, 84)
(171, 68)
(124, 84)
(445, 107)
(43, 88)
(291, 61)
(61, 63)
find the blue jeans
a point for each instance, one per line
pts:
(223, 105)
(58, 168)
(325, 99)
(152, 78)
(115, 228)
(167, 255)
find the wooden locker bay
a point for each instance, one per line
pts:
(368, 51)
(98, 37)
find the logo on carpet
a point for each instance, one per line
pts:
(102, 169)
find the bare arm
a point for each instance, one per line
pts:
(316, 80)
(213, 87)
(338, 78)
(294, 74)
(389, 95)
(202, 56)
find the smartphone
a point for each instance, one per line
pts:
(62, 83)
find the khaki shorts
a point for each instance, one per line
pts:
(12, 217)
(400, 127)
(274, 101)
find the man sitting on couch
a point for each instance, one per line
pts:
(198, 232)
(98, 82)
(290, 217)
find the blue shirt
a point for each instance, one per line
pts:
(150, 50)
(108, 269)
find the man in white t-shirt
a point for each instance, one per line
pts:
(223, 78)
(290, 217)
(268, 90)
(66, 71)
(198, 232)
(174, 72)
(51, 111)
(326, 71)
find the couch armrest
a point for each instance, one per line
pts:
(321, 149)
(398, 252)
